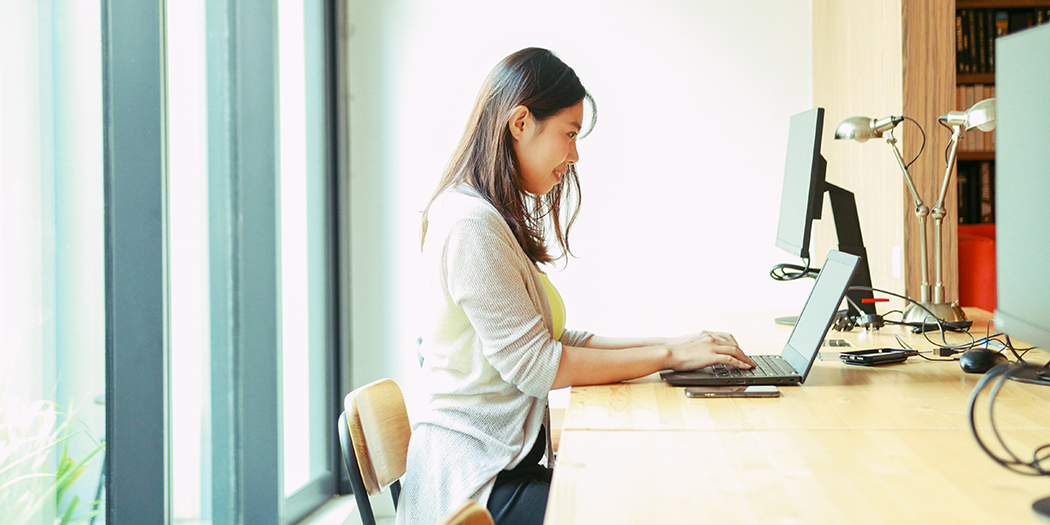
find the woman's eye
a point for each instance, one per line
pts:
(572, 135)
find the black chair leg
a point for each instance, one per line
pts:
(395, 492)
(356, 482)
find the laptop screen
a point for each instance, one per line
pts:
(819, 311)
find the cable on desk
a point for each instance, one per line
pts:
(996, 377)
(906, 346)
(1024, 351)
(940, 323)
(957, 348)
(792, 272)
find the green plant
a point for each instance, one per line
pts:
(67, 473)
(29, 492)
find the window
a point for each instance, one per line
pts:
(249, 262)
(52, 313)
(166, 257)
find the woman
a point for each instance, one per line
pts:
(494, 343)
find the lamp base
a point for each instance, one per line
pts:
(946, 312)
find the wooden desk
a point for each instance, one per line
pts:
(888, 444)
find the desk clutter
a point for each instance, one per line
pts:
(892, 443)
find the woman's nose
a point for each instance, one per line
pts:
(574, 156)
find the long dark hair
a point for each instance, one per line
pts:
(537, 79)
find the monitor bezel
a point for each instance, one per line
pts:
(805, 126)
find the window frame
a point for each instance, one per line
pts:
(247, 478)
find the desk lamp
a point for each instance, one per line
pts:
(861, 129)
(981, 116)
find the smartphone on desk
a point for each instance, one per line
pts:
(733, 391)
(875, 356)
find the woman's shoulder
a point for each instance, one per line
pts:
(463, 203)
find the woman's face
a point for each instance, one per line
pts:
(545, 150)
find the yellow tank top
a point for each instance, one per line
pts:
(557, 306)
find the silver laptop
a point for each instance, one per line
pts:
(792, 365)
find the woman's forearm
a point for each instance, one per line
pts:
(605, 360)
(617, 343)
(596, 366)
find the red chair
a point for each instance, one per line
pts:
(977, 266)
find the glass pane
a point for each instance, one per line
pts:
(52, 295)
(304, 311)
(188, 262)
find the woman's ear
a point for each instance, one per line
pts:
(520, 118)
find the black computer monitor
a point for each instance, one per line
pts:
(802, 196)
(802, 200)
(1022, 189)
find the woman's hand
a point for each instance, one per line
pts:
(706, 348)
(610, 360)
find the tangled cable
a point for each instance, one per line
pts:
(995, 378)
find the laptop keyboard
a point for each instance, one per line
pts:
(767, 366)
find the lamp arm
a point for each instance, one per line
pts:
(938, 216)
(921, 211)
(956, 133)
(892, 141)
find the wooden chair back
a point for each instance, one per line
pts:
(379, 431)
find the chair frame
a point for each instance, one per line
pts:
(361, 485)
(357, 482)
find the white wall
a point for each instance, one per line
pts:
(681, 178)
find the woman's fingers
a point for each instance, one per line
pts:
(732, 361)
(729, 337)
(728, 354)
(736, 354)
(722, 337)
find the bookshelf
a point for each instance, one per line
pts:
(978, 23)
(893, 58)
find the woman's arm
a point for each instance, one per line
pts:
(617, 343)
(595, 365)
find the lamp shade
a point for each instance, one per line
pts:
(981, 115)
(859, 129)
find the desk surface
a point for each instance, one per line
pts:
(888, 444)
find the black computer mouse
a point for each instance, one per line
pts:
(979, 360)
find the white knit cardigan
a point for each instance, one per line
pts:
(489, 359)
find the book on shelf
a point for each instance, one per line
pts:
(981, 40)
(976, 180)
(967, 138)
(990, 135)
(987, 195)
(977, 137)
(976, 30)
(971, 27)
(965, 191)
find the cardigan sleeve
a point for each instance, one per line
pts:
(575, 337)
(484, 275)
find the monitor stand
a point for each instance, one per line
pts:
(790, 320)
(847, 229)
(1036, 375)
